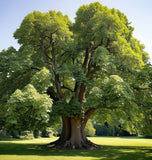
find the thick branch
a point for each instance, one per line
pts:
(64, 87)
(86, 59)
(140, 88)
(50, 37)
(44, 51)
(90, 61)
(57, 81)
(88, 114)
(51, 92)
(100, 44)
(53, 58)
(109, 107)
(82, 93)
(76, 90)
(34, 68)
(83, 88)
(91, 70)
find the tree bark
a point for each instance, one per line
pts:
(65, 134)
(57, 81)
(73, 133)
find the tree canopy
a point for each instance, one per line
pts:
(92, 65)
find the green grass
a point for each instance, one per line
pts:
(114, 148)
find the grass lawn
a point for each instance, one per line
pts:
(114, 148)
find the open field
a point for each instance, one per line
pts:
(114, 148)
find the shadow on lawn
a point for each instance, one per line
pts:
(106, 153)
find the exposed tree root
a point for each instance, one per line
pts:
(73, 136)
(69, 145)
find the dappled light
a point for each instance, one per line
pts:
(112, 149)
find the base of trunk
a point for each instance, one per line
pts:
(73, 135)
(70, 145)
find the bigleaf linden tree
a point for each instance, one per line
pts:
(84, 68)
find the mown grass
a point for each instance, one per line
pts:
(114, 148)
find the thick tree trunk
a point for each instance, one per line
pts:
(65, 134)
(66, 127)
(73, 134)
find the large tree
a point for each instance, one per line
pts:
(91, 65)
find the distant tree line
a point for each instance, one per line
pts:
(92, 129)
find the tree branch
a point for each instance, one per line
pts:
(87, 114)
(44, 51)
(57, 82)
(38, 69)
(67, 88)
(140, 88)
(51, 92)
(109, 107)
(76, 90)
(86, 59)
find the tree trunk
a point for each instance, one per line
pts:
(73, 134)
(65, 134)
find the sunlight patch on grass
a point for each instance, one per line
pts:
(114, 148)
(121, 141)
(45, 158)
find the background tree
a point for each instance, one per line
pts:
(89, 129)
(91, 65)
(143, 93)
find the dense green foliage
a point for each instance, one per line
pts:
(93, 63)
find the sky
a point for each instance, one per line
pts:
(12, 12)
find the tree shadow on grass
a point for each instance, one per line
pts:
(106, 153)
